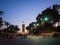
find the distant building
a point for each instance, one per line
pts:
(23, 27)
(23, 31)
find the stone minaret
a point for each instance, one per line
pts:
(23, 26)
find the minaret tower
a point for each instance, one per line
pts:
(23, 27)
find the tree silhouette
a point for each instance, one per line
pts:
(7, 23)
(16, 28)
(8, 32)
(46, 19)
(1, 22)
(51, 14)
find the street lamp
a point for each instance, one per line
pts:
(34, 24)
(41, 19)
(45, 18)
(37, 24)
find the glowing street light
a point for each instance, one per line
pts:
(41, 19)
(37, 24)
(56, 24)
(34, 24)
(46, 19)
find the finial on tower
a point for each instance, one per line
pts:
(23, 22)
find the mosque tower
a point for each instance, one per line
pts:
(23, 27)
(23, 31)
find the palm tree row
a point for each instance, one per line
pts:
(10, 29)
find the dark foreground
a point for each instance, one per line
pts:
(31, 41)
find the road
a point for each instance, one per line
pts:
(32, 40)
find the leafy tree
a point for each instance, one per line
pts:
(16, 28)
(7, 24)
(28, 27)
(48, 17)
(13, 28)
(1, 22)
(1, 12)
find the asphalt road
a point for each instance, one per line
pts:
(31, 41)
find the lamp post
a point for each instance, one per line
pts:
(43, 21)
(35, 25)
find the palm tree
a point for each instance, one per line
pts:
(1, 22)
(7, 24)
(1, 12)
(16, 28)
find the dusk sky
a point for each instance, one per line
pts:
(17, 11)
